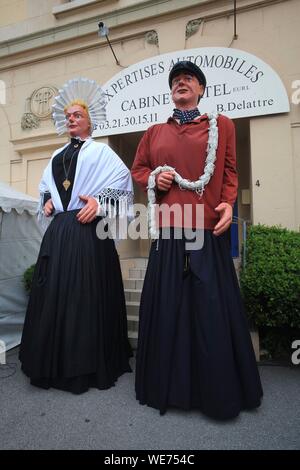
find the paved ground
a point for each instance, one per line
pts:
(32, 418)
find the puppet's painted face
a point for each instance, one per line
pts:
(78, 122)
(186, 90)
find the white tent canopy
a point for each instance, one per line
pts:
(20, 238)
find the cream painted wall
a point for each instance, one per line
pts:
(95, 64)
(269, 31)
(296, 171)
(4, 148)
(32, 16)
(5, 132)
(12, 12)
(273, 178)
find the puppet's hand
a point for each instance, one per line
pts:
(89, 212)
(48, 208)
(225, 211)
(164, 180)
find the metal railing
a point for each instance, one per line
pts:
(244, 222)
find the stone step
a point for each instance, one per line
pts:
(133, 338)
(133, 283)
(132, 308)
(140, 262)
(133, 294)
(255, 343)
(137, 273)
(237, 265)
(134, 262)
(132, 322)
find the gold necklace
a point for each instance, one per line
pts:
(67, 183)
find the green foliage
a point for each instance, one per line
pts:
(270, 280)
(277, 342)
(27, 277)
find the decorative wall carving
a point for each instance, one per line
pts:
(151, 37)
(29, 121)
(192, 27)
(38, 106)
(41, 101)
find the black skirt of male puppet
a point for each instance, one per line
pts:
(194, 348)
(75, 332)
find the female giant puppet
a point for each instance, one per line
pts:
(75, 331)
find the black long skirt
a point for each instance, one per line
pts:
(194, 347)
(75, 331)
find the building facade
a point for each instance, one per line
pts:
(251, 60)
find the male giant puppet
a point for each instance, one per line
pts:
(194, 347)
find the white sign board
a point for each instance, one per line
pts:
(238, 85)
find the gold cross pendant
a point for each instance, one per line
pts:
(66, 184)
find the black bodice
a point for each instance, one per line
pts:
(69, 156)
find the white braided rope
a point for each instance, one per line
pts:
(197, 186)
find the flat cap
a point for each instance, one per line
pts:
(187, 66)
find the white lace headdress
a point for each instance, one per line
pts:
(82, 89)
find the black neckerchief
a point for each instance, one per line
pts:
(185, 116)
